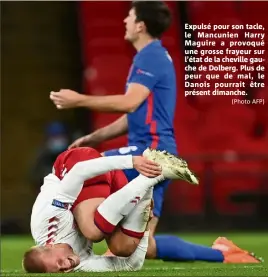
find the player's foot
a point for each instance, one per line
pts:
(233, 254)
(173, 167)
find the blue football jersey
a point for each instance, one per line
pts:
(152, 122)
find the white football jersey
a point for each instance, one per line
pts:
(52, 221)
(51, 224)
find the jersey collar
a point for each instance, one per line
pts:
(151, 45)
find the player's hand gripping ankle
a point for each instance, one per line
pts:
(146, 167)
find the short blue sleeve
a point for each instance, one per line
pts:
(145, 72)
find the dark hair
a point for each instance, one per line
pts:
(155, 15)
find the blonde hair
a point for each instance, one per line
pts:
(32, 262)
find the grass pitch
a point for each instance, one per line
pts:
(12, 249)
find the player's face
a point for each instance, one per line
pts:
(59, 259)
(133, 28)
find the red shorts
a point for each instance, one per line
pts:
(98, 187)
(102, 190)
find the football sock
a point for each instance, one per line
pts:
(135, 223)
(172, 248)
(121, 203)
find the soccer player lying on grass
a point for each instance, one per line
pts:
(94, 192)
(61, 247)
(123, 241)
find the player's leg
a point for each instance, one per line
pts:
(87, 203)
(126, 238)
(158, 196)
(160, 248)
(131, 174)
(84, 211)
(121, 203)
(172, 248)
(130, 243)
(85, 207)
(158, 199)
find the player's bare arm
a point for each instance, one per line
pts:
(116, 129)
(127, 103)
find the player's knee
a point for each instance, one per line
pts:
(90, 230)
(151, 250)
(122, 245)
(84, 216)
(92, 233)
(121, 250)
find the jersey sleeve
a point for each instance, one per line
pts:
(113, 263)
(146, 72)
(72, 183)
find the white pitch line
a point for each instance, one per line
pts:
(194, 268)
(11, 271)
(164, 268)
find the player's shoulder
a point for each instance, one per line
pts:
(155, 58)
(80, 152)
(50, 182)
(154, 55)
